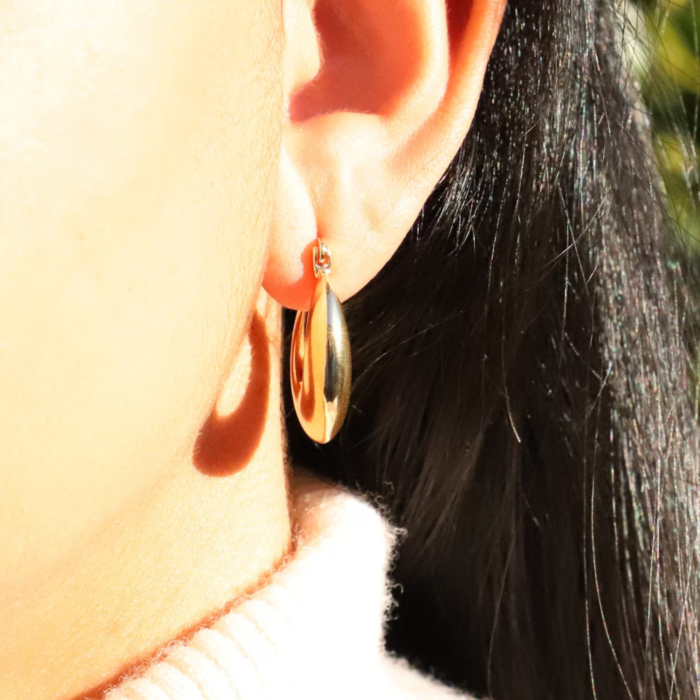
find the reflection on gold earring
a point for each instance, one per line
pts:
(320, 370)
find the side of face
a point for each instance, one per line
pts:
(138, 156)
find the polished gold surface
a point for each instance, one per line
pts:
(320, 359)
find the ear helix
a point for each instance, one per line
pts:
(320, 361)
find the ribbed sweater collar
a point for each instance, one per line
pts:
(318, 617)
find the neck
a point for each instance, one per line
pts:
(174, 558)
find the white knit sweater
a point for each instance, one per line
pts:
(313, 632)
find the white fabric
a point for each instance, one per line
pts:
(313, 632)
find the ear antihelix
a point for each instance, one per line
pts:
(320, 360)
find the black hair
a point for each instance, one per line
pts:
(521, 402)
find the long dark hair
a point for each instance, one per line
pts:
(520, 403)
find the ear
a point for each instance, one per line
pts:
(379, 96)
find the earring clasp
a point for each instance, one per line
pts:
(322, 259)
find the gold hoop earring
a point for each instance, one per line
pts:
(320, 362)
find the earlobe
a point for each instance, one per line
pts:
(380, 96)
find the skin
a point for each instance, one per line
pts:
(165, 167)
(129, 191)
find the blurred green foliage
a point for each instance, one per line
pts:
(666, 59)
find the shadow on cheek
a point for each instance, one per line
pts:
(227, 443)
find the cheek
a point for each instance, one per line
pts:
(136, 166)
